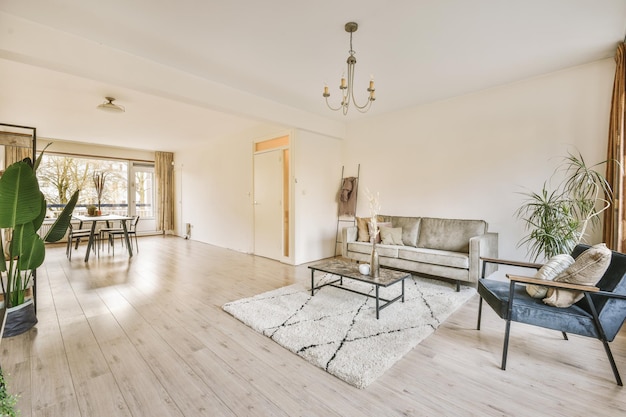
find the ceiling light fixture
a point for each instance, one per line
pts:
(346, 88)
(110, 107)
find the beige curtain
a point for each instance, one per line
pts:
(164, 172)
(613, 233)
(16, 153)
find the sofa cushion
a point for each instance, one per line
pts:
(389, 251)
(391, 236)
(449, 234)
(587, 269)
(434, 256)
(410, 228)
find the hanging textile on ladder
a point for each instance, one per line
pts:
(347, 197)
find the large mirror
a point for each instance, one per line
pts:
(16, 143)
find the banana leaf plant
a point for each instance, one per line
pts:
(22, 212)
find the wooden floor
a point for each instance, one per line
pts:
(147, 337)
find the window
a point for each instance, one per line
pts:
(60, 175)
(144, 190)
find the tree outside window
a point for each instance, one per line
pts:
(60, 175)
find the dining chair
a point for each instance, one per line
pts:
(132, 231)
(110, 228)
(73, 238)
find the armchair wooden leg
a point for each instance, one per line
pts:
(480, 312)
(564, 335)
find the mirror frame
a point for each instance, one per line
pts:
(13, 135)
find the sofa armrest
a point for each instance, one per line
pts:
(348, 234)
(485, 245)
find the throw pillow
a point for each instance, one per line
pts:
(380, 224)
(391, 235)
(587, 269)
(363, 234)
(549, 271)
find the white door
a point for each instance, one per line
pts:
(268, 204)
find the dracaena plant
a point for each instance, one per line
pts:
(557, 220)
(22, 212)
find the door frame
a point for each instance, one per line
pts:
(287, 202)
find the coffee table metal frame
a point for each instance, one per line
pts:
(342, 269)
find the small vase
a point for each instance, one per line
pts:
(374, 266)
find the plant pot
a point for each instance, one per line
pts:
(20, 319)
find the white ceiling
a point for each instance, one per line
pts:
(419, 51)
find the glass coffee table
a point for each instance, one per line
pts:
(343, 269)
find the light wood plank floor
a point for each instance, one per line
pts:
(147, 337)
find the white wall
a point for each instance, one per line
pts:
(468, 157)
(214, 189)
(317, 177)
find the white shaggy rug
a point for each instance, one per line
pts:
(337, 330)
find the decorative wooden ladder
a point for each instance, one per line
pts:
(343, 219)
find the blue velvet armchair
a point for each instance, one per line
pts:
(599, 314)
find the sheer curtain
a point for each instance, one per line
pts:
(612, 232)
(164, 172)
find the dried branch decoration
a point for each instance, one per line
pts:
(374, 204)
(99, 179)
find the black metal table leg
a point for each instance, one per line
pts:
(90, 241)
(377, 301)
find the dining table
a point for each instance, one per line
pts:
(104, 218)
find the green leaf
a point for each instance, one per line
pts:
(3, 265)
(20, 198)
(38, 160)
(28, 247)
(59, 227)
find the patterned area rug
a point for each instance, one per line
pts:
(337, 330)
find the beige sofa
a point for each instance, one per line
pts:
(448, 248)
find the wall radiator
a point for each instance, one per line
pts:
(47, 225)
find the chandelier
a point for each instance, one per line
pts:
(347, 88)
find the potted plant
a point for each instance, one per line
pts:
(22, 212)
(557, 220)
(92, 210)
